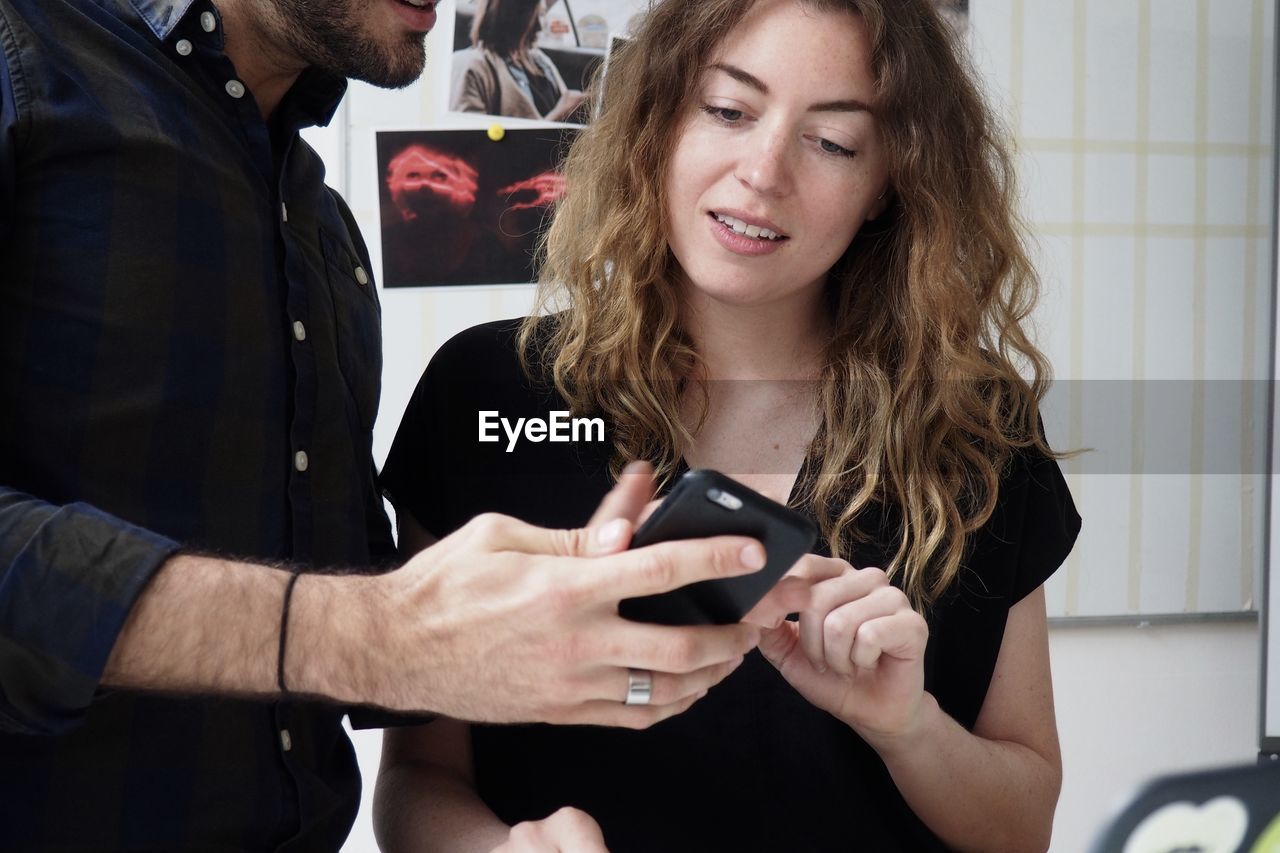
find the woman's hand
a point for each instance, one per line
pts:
(570, 830)
(858, 650)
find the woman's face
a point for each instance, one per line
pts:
(779, 160)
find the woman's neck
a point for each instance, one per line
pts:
(775, 341)
(758, 419)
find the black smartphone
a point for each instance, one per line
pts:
(707, 503)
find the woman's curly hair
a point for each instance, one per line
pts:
(930, 383)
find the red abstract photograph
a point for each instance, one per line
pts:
(459, 208)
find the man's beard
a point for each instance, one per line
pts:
(328, 35)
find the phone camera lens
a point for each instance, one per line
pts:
(724, 499)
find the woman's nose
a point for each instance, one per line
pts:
(764, 164)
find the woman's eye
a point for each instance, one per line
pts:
(723, 114)
(832, 148)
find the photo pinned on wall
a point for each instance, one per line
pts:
(459, 208)
(615, 43)
(533, 59)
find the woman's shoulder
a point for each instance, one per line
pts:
(480, 338)
(489, 353)
(479, 350)
(474, 372)
(1030, 532)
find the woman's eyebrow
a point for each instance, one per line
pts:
(742, 77)
(849, 105)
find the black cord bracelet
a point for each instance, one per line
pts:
(284, 631)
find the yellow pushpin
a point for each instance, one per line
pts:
(496, 132)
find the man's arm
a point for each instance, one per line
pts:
(203, 625)
(505, 622)
(499, 622)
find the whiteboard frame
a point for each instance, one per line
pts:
(1269, 677)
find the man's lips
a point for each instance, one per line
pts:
(417, 18)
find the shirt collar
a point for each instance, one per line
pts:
(162, 15)
(312, 100)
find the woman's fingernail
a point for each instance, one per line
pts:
(611, 533)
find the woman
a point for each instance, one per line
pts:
(503, 72)
(821, 296)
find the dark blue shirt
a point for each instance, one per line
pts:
(189, 357)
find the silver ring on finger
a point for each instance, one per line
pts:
(639, 687)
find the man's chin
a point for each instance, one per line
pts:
(394, 69)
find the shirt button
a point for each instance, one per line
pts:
(235, 88)
(300, 460)
(286, 741)
(183, 47)
(299, 331)
(361, 275)
(208, 22)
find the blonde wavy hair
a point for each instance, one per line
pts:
(921, 398)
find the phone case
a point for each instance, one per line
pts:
(698, 508)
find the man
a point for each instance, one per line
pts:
(190, 343)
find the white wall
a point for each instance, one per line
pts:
(1135, 702)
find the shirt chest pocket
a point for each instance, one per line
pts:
(357, 325)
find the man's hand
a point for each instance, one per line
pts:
(569, 830)
(506, 622)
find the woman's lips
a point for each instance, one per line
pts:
(744, 244)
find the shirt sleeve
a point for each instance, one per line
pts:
(1050, 525)
(10, 90)
(68, 574)
(68, 577)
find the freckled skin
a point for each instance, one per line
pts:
(817, 174)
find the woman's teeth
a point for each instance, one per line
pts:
(753, 231)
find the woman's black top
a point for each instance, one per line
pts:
(752, 766)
